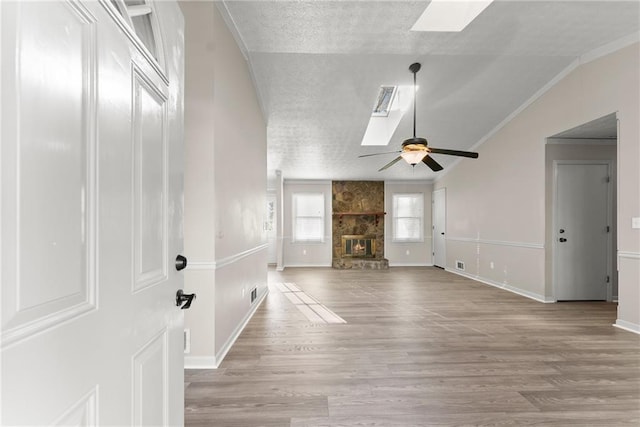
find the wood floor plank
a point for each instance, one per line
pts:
(421, 347)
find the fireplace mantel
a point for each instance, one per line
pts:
(341, 214)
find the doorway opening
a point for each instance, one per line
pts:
(581, 188)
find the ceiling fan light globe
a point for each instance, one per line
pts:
(413, 157)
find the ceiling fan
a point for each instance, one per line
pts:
(416, 150)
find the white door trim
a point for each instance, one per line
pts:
(433, 228)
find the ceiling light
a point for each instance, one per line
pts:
(413, 157)
(449, 15)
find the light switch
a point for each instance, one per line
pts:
(635, 222)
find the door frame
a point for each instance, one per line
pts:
(554, 208)
(433, 226)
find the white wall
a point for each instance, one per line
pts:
(401, 253)
(297, 254)
(224, 197)
(496, 204)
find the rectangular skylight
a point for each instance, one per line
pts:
(449, 15)
(384, 100)
(390, 106)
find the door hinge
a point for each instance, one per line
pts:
(608, 179)
(607, 279)
(608, 229)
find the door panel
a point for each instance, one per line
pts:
(150, 383)
(91, 166)
(582, 231)
(49, 218)
(150, 192)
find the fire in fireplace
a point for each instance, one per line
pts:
(358, 246)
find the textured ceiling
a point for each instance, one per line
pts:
(318, 64)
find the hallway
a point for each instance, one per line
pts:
(420, 347)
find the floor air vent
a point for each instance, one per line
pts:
(254, 294)
(460, 265)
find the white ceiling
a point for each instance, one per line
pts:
(317, 66)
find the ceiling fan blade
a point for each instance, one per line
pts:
(435, 166)
(391, 163)
(470, 154)
(377, 154)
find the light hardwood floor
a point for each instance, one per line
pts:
(421, 347)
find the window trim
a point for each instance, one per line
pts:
(394, 218)
(294, 217)
(119, 12)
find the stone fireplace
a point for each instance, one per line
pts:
(358, 225)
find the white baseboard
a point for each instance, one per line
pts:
(220, 355)
(627, 326)
(213, 362)
(512, 289)
(200, 362)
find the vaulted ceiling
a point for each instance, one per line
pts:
(317, 67)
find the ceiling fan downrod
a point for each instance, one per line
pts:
(414, 68)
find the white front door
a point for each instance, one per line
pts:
(439, 228)
(582, 235)
(91, 167)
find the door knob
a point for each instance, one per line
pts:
(181, 262)
(182, 297)
(442, 233)
(562, 240)
(561, 230)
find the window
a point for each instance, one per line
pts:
(138, 15)
(408, 217)
(308, 217)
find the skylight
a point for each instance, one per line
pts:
(386, 96)
(390, 106)
(449, 15)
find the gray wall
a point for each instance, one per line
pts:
(225, 197)
(401, 253)
(496, 205)
(298, 254)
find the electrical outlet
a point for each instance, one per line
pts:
(635, 222)
(491, 265)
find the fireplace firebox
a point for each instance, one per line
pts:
(358, 246)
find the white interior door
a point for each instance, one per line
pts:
(439, 228)
(91, 225)
(582, 235)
